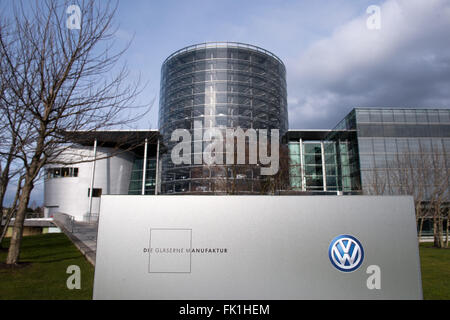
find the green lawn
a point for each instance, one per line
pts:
(45, 277)
(51, 254)
(435, 265)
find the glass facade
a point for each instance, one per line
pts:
(391, 141)
(220, 85)
(137, 176)
(328, 165)
(371, 150)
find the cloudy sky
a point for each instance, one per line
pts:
(334, 62)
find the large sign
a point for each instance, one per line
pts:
(257, 247)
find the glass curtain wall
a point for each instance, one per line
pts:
(137, 175)
(393, 140)
(323, 166)
(219, 85)
(295, 166)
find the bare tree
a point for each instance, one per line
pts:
(280, 181)
(447, 229)
(247, 178)
(10, 124)
(408, 176)
(377, 183)
(424, 177)
(62, 79)
(240, 176)
(439, 195)
(10, 212)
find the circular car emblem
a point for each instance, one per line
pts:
(346, 253)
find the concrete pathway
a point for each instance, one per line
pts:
(82, 234)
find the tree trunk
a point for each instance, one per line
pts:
(5, 178)
(446, 232)
(435, 232)
(437, 225)
(4, 229)
(16, 239)
(11, 212)
(2, 197)
(441, 231)
(420, 228)
(419, 231)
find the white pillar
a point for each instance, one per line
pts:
(302, 165)
(144, 167)
(91, 191)
(157, 169)
(324, 170)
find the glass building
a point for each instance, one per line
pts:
(370, 152)
(218, 85)
(384, 151)
(392, 140)
(404, 152)
(137, 176)
(324, 162)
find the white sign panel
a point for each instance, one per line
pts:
(257, 247)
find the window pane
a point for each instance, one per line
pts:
(433, 116)
(294, 148)
(437, 145)
(422, 116)
(399, 116)
(387, 116)
(446, 143)
(402, 145)
(367, 161)
(375, 116)
(410, 116)
(425, 145)
(365, 146)
(314, 181)
(414, 145)
(331, 170)
(312, 148)
(313, 159)
(330, 159)
(331, 181)
(391, 145)
(444, 116)
(313, 170)
(362, 116)
(378, 145)
(329, 147)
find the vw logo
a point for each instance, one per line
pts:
(346, 253)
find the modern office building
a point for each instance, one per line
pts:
(369, 150)
(390, 141)
(231, 85)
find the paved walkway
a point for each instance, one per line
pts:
(82, 234)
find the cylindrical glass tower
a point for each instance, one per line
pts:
(221, 85)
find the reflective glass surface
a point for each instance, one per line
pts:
(135, 186)
(220, 85)
(307, 171)
(391, 140)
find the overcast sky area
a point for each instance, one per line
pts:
(334, 62)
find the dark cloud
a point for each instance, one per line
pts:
(404, 64)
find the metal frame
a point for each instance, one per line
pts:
(91, 191)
